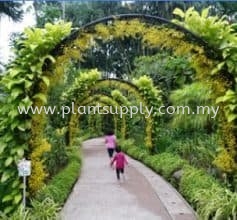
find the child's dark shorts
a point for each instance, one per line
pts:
(110, 152)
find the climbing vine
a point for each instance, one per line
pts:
(221, 35)
(25, 84)
(40, 64)
(104, 102)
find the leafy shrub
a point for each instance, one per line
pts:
(83, 136)
(19, 214)
(204, 192)
(61, 184)
(44, 210)
(165, 163)
(194, 179)
(211, 200)
(198, 148)
(57, 157)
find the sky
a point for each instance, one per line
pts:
(7, 26)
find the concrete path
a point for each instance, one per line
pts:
(144, 195)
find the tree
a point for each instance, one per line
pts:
(167, 71)
(12, 9)
(47, 11)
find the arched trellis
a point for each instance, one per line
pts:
(212, 52)
(102, 99)
(86, 84)
(44, 71)
(109, 100)
(176, 38)
(105, 99)
(153, 101)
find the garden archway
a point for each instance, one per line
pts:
(35, 70)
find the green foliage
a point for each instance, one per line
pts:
(18, 214)
(61, 184)
(221, 204)
(221, 35)
(152, 99)
(194, 179)
(47, 12)
(211, 200)
(81, 137)
(213, 29)
(230, 104)
(26, 83)
(165, 163)
(205, 193)
(57, 157)
(191, 97)
(20, 84)
(199, 152)
(197, 147)
(167, 71)
(82, 85)
(44, 210)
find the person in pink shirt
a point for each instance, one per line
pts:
(120, 162)
(110, 142)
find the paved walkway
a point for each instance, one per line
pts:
(144, 195)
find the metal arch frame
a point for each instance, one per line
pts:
(210, 51)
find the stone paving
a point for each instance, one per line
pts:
(143, 195)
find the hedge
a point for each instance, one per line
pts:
(60, 186)
(207, 196)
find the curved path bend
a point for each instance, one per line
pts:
(144, 195)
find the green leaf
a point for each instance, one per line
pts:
(33, 46)
(8, 209)
(220, 99)
(28, 84)
(232, 107)
(13, 113)
(5, 177)
(46, 80)
(230, 93)
(7, 198)
(11, 83)
(2, 147)
(179, 12)
(15, 183)
(30, 76)
(8, 161)
(20, 152)
(231, 117)
(205, 12)
(16, 92)
(218, 68)
(14, 72)
(41, 96)
(33, 68)
(26, 102)
(17, 198)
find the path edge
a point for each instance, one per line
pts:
(153, 177)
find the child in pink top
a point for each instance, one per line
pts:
(120, 162)
(110, 142)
